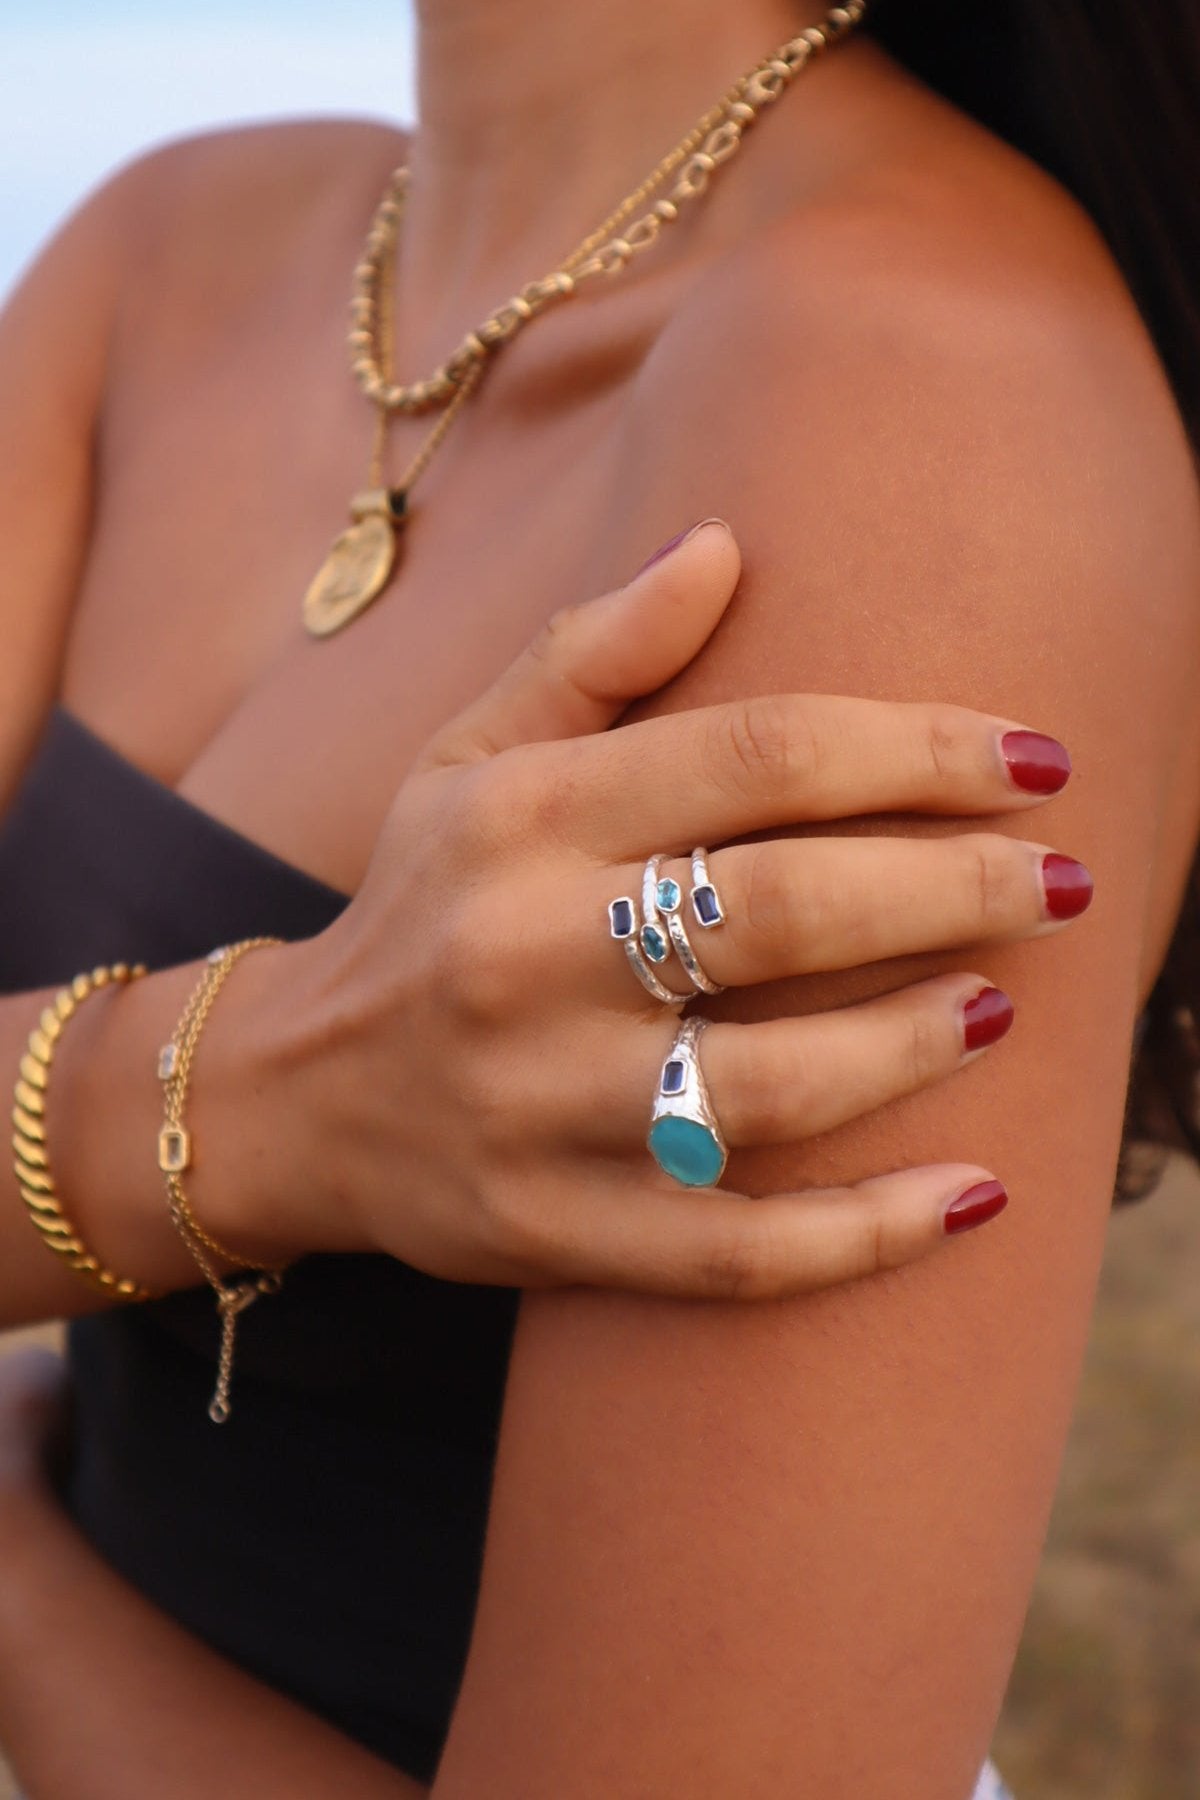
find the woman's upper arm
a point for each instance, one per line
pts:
(54, 336)
(786, 1548)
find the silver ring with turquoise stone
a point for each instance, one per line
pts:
(685, 1135)
(667, 898)
(626, 927)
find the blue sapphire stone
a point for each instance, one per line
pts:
(667, 895)
(655, 944)
(621, 916)
(706, 906)
(686, 1151)
(674, 1076)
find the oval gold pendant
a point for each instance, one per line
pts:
(357, 568)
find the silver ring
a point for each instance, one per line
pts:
(685, 1136)
(706, 902)
(624, 924)
(666, 898)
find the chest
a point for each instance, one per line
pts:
(223, 477)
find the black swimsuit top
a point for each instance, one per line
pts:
(328, 1538)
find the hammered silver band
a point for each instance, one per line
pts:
(648, 933)
(666, 898)
(625, 925)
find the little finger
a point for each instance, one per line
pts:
(720, 1246)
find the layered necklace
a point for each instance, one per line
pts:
(361, 561)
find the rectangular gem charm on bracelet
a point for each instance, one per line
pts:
(174, 1149)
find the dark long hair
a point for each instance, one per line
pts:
(1105, 94)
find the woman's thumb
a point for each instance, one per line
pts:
(589, 662)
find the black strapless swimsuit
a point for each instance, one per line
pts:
(328, 1538)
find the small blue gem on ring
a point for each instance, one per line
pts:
(621, 916)
(667, 895)
(674, 1076)
(706, 906)
(655, 944)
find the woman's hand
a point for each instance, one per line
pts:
(488, 1054)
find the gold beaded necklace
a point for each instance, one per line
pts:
(360, 562)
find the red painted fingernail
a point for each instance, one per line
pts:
(1037, 764)
(986, 1019)
(976, 1206)
(1067, 885)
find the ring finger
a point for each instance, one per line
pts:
(782, 1080)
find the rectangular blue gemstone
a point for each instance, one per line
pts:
(706, 905)
(674, 1077)
(621, 915)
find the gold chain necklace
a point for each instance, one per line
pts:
(360, 562)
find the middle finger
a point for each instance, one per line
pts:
(799, 906)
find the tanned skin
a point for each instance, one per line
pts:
(754, 1551)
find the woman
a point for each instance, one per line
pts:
(902, 361)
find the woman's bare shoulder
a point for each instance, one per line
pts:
(199, 222)
(948, 248)
(943, 322)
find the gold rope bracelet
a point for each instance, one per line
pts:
(32, 1157)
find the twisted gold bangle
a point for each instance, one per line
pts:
(32, 1160)
(175, 1156)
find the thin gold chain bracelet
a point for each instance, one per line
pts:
(32, 1156)
(175, 1157)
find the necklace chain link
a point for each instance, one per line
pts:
(607, 251)
(360, 562)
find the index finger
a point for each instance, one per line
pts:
(724, 771)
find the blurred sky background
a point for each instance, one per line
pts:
(86, 83)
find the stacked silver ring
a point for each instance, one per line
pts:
(640, 943)
(665, 896)
(685, 1137)
(649, 934)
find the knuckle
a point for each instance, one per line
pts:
(870, 1248)
(778, 1099)
(990, 879)
(500, 806)
(943, 743)
(736, 1266)
(770, 904)
(476, 814)
(788, 904)
(889, 1244)
(551, 644)
(772, 1107)
(924, 1053)
(881, 1242)
(762, 745)
(475, 978)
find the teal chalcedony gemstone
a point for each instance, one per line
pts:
(655, 944)
(687, 1151)
(668, 895)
